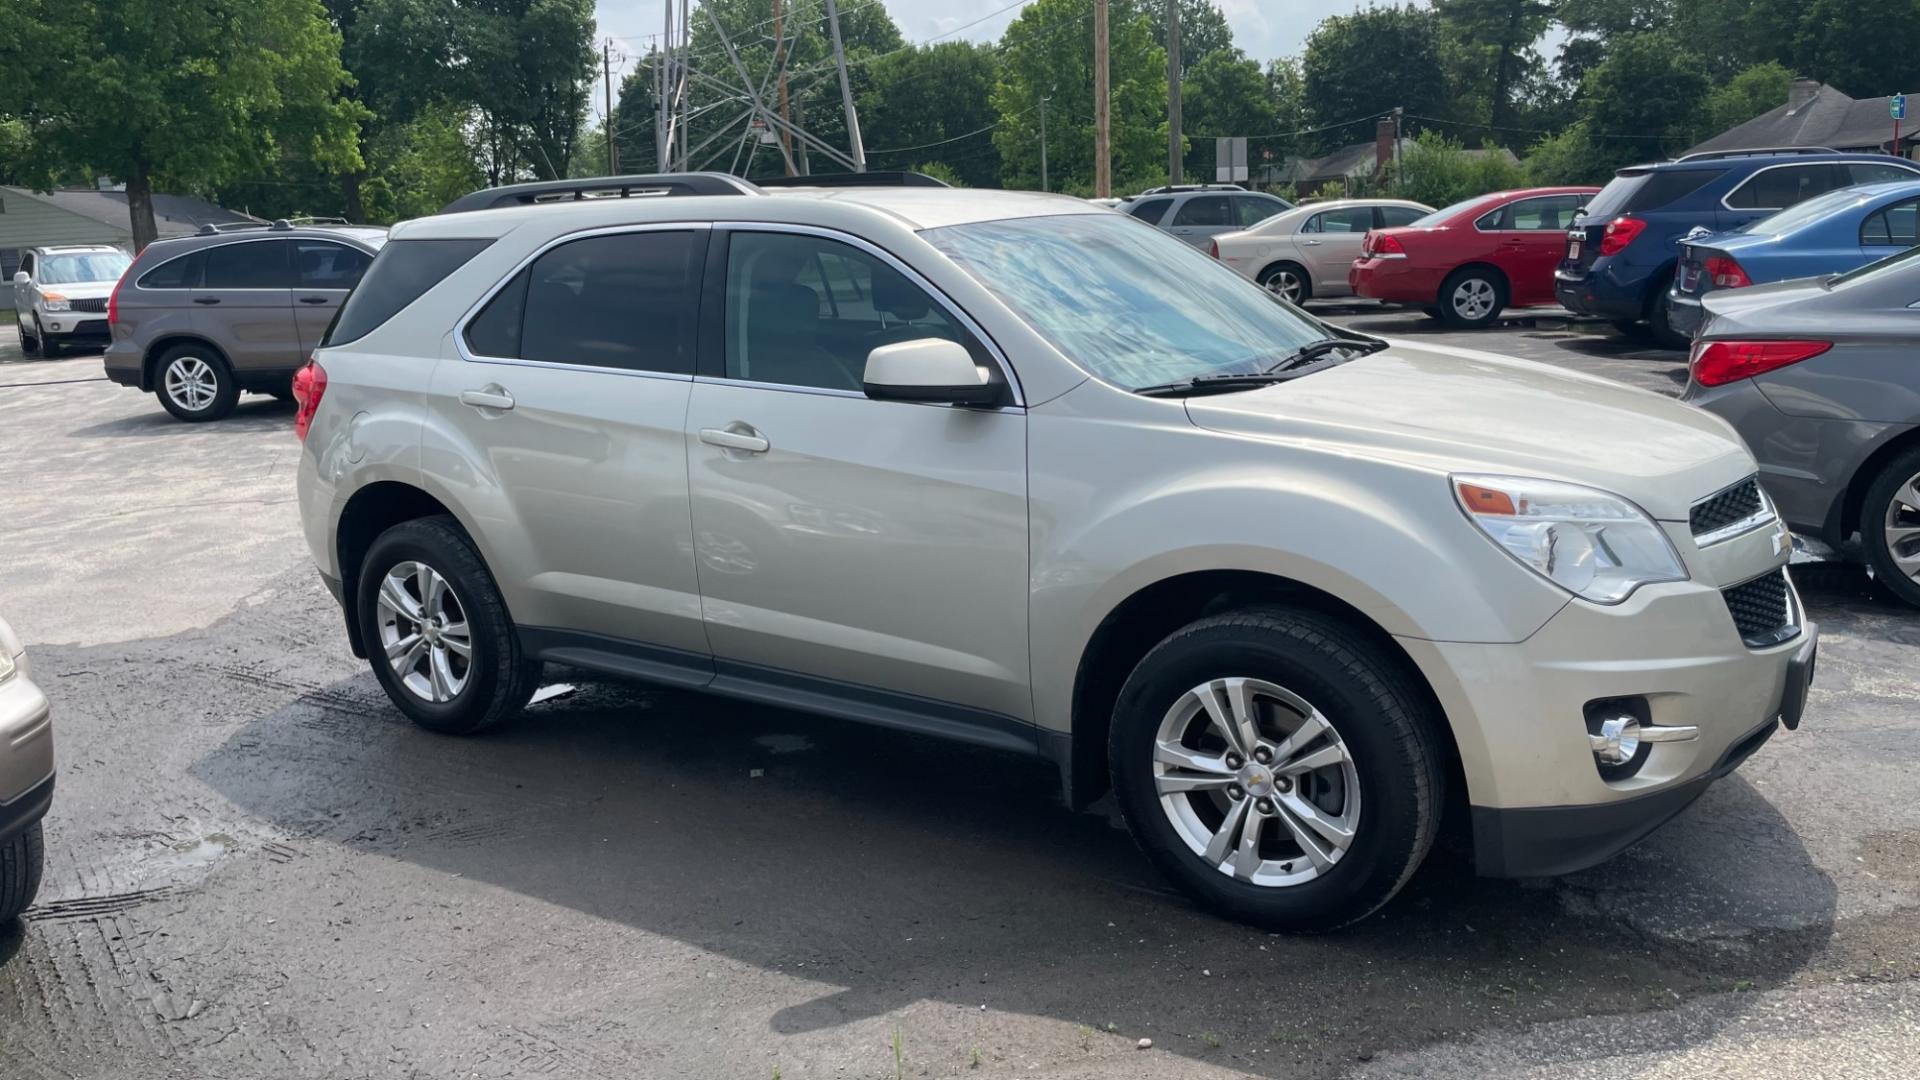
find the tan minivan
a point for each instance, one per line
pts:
(198, 319)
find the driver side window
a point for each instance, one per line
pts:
(806, 310)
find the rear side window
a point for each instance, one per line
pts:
(621, 301)
(1393, 216)
(400, 273)
(1894, 226)
(1204, 210)
(1150, 210)
(178, 273)
(1355, 219)
(1872, 172)
(1783, 186)
(323, 264)
(1253, 209)
(255, 264)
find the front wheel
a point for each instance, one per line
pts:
(43, 346)
(21, 859)
(1471, 299)
(437, 630)
(1278, 767)
(1890, 526)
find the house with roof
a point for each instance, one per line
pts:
(1817, 115)
(90, 216)
(1349, 166)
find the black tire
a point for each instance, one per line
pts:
(226, 391)
(499, 678)
(1660, 330)
(1389, 730)
(1875, 514)
(1633, 328)
(21, 861)
(1303, 282)
(1472, 277)
(44, 347)
(1430, 312)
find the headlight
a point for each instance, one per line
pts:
(55, 302)
(1592, 544)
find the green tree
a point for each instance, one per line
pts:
(1758, 89)
(526, 66)
(1203, 29)
(1224, 94)
(934, 104)
(1864, 48)
(181, 95)
(636, 115)
(420, 166)
(1644, 100)
(1439, 171)
(1048, 51)
(1493, 42)
(1360, 66)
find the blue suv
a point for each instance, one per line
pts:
(1623, 245)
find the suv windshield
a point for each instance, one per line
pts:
(74, 269)
(1133, 306)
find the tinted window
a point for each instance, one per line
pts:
(322, 264)
(400, 273)
(26, 263)
(1150, 210)
(496, 330)
(255, 264)
(1551, 214)
(806, 311)
(1641, 192)
(622, 301)
(1781, 187)
(1872, 172)
(1464, 206)
(1352, 220)
(1204, 210)
(1252, 209)
(180, 273)
(1391, 216)
(1893, 226)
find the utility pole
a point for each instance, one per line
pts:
(686, 82)
(606, 123)
(846, 94)
(1102, 107)
(1174, 142)
(780, 65)
(661, 81)
(1043, 143)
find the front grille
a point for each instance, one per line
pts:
(97, 304)
(1762, 610)
(1729, 507)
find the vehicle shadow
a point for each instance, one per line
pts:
(900, 869)
(253, 413)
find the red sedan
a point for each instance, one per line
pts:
(1470, 261)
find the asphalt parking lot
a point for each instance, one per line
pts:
(258, 868)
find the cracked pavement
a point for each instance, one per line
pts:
(258, 868)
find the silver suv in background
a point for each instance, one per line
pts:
(1005, 468)
(26, 777)
(198, 319)
(60, 296)
(1200, 212)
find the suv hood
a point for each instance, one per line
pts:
(1456, 410)
(80, 290)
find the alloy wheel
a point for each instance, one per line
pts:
(1284, 284)
(1473, 298)
(1903, 527)
(424, 632)
(191, 383)
(1256, 781)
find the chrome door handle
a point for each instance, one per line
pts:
(748, 440)
(1310, 243)
(494, 398)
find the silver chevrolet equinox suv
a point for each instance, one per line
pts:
(1009, 469)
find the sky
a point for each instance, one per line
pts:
(1264, 29)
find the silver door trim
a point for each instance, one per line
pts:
(888, 257)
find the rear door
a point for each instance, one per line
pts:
(1532, 238)
(1200, 217)
(323, 272)
(244, 305)
(1777, 187)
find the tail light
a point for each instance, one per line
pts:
(1716, 363)
(1619, 233)
(309, 386)
(113, 298)
(1726, 273)
(1213, 248)
(1382, 244)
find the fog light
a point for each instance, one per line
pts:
(1617, 740)
(53, 326)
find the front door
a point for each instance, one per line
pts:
(323, 272)
(244, 304)
(556, 415)
(845, 545)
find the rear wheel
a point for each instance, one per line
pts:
(437, 630)
(1277, 767)
(21, 859)
(1472, 298)
(1288, 281)
(195, 384)
(1890, 526)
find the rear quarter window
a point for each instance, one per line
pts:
(1645, 192)
(179, 272)
(402, 271)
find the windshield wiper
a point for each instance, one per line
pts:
(1312, 351)
(1215, 384)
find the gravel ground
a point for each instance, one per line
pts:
(257, 868)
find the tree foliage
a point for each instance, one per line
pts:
(1362, 65)
(1203, 29)
(1047, 52)
(1439, 171)
(1225, 94)
(934, 104)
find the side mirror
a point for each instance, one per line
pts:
(927, 370)
(20, 278)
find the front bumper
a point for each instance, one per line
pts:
(1518, 714)
(26, 755)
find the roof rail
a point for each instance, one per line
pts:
(305, 220)
(211, 229)
(1175, 189)
(1756, 151)
(856, 179)
(601, 187)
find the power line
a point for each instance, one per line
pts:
(957, 138)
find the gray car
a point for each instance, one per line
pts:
(198, 319)
(1197, 214)
(1818, 377)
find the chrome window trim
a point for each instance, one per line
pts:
(282, 237)
(1760, 518)
(1894, 162)
(946, 303)
(460, 326)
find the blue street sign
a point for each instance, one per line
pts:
(1897, 105)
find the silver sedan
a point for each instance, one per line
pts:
(1304, 253)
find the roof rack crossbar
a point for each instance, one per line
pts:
(1755, 151)
(602, 187)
